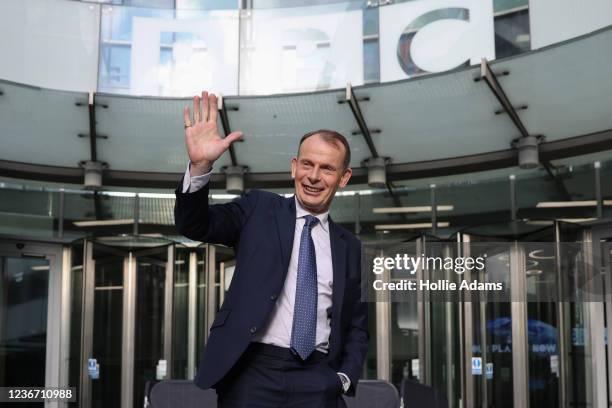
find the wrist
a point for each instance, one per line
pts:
(200, 168)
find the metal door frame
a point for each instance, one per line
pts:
(600, 370)
(58, 305)
(520, 363)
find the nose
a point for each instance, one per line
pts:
(314, 175)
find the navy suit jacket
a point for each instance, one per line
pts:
(260, 226)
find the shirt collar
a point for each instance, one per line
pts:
(301, 212)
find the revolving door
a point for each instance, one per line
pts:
(143, 306)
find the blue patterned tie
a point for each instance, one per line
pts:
(304, 330)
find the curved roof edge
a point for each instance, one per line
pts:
(575, 146)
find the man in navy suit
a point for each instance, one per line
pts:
(292, 331)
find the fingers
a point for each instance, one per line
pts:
(232, 137)
(186, 116)
(196, 109)
(205, 104)
(213, 108)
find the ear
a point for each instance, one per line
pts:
(294, 163)
(346, 176)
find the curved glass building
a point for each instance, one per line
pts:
(477, 128)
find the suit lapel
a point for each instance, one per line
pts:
(338, 252)
(285, 224)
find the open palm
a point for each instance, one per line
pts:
(204, 144)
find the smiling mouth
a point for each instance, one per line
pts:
(311, 189)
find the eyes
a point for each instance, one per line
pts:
(325, 168)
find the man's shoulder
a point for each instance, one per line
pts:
(263, 195)
(350, 237)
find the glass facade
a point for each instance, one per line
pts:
(317, 41)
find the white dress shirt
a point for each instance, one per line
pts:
(278, 329)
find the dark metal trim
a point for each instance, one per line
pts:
(598, 191)
(558, 181)
(363, 127)
(227, 130)
(555, 150)
(491, 79)
(434, 209)
(91, 107)
(513, 207)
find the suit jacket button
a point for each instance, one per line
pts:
(273, 297)
(253, 329)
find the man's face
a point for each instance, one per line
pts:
(317, 172)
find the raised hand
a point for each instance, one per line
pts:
(204, 145)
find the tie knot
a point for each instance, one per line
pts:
(311, 221)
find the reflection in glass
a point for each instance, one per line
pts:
(149, 344)
(166, 52)
(23, 322)
(76, 313)
(107, 329)
(180, 324)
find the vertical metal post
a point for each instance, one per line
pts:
(518, 291)
(129, 332)
(168, 310)
(136, 213)
(512, 179)
(468, 336)
(449, 335)
(87, 319)
(434, 210)
(192, 322)
(423, 319)
(211, 292)
(383, 329)
(357, 214)
(65, 321)
(595, 325)
(483, 344)
(598, 193)
(561, 324)
(60, 215)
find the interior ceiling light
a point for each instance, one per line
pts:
(424, 208)
(568, 204)
(102, 223)
(409, 226)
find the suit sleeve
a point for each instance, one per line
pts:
(357, 336)
(215, 224)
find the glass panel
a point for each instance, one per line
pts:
(202, 300)
(301, 49)
(405, 330)
(28, 213)
(404, 342)
(161, 52)
(149, 341)
(180, 323)
(492, 328)
(577, 336)
(512, 33)
(107, 328)
(445, 353)
(23, 321)
(35, 33)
